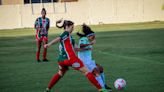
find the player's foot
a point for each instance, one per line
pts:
(108, 88)
(47, 90)
(45, 60)
(38, 60)
(103, 90)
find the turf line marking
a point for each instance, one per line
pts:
(127, 57)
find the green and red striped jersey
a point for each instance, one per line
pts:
(43, 24)
(66, 46)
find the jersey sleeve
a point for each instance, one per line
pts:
(64, 35)
(48, 23)
(36, 23)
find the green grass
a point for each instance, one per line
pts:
(134, 52)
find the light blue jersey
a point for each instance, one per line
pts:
(86, 53)
(86, 56)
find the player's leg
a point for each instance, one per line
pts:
(57, 76)
(101, 72)
(54, 80)
(45, 40)
(92, 79)
(96, 72)
(91, 65)
(103, 76)
(38, 42)
(78, 65)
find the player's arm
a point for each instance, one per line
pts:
(81, 49)
(36, 25)
(56, 40)
(48, 25)
(93, 42)
(85, 45)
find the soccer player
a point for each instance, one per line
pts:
(85, 53)
(67, 57)
(42, 25)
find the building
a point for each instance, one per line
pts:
(23, 14)
(13, 2)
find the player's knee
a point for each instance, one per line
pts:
(96, 72)
(101, 69)
(84, 70)
(61, 73)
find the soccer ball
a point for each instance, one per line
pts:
(120, 84)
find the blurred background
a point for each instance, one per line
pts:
(22, 13)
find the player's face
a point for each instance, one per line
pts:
(71, 28)
(43, 13)
(91, 38)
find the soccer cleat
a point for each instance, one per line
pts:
(47, 90)
(103, 90)
(108, 88)
(38, 60)
(45, 60)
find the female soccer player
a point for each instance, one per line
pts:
(42, 25)
(85, 53)
(67, 57)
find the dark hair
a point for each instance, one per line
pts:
(86, 30)
(43, 9)
(65, 23)
(80, 35)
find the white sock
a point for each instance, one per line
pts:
(99, 79)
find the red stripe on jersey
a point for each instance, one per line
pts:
(69, 48)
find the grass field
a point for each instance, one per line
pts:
(134, 52)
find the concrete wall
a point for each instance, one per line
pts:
(123, 11)
(88, 11)
(13, 2)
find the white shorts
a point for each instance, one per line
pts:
(90, 64)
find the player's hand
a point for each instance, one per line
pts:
(93, 42)
(90, 48)
(46, 45)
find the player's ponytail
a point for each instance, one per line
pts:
(80, 35)
(86, 30)
(65, 23)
